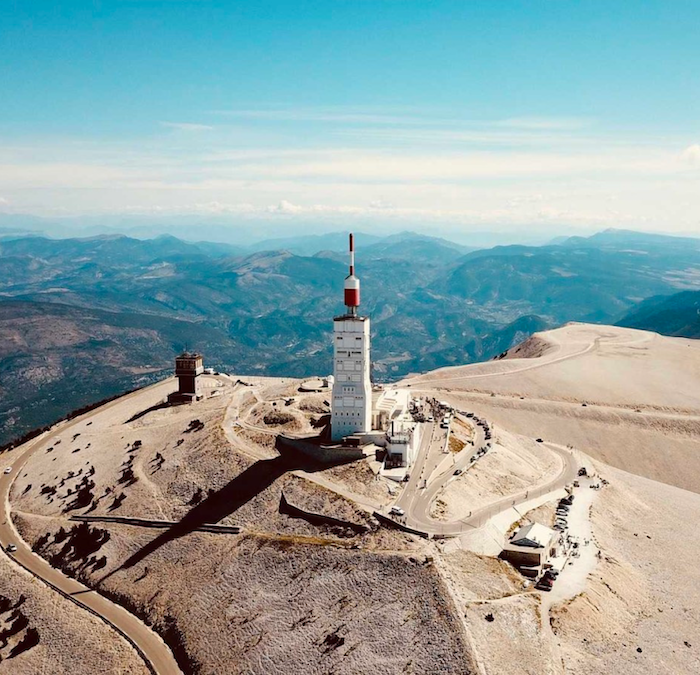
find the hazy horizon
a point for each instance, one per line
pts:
(550, 119)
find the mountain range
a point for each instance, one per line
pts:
(82, 319)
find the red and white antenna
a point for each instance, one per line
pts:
(352, 254)
(352, 283)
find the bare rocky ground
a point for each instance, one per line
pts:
(288, 595)
(41, 632)
(641, 610)
(292, 595)
(628, 398)
(512, 465)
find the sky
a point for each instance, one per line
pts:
(552, 116)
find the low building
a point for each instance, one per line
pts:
(530, 547)
(401, 442)
(391, 414)
(388, 405)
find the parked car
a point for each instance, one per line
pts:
(458, 471)
(11, 548)
(545, 583)
(396, 511)
(539, 440)
(8, 470)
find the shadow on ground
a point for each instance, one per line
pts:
(226, 501)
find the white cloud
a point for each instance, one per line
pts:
(275, 178)
(380, 204)
(4, 202)
(350, 116)
(691, 155)
(285, 207)
(546, 123)
(186, 126)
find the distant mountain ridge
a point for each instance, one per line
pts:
(676, 315)
(432, 303)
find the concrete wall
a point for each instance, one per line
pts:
(326, 454)
(318, 518)
(518, 558)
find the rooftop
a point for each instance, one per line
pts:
(533, 535)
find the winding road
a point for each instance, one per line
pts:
(416, 500)
(149, 645)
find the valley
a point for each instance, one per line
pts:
(84, 319)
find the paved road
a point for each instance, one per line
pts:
(422, 501)
(415, 499)
(502, 368)
(565, 477)
(416, 472)
(149, 645)
(508, 369)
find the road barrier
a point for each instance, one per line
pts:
(158, 524)
(382, 518)
(479, 518)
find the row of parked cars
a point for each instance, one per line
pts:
(546, 581)
(563, 513)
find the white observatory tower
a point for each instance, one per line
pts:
(352, 389)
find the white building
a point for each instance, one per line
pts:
(402, 442)
(402, 434)
(351, 409)
(352, 389)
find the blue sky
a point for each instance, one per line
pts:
(456, 114)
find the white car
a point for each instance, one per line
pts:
(396, 511)
(8, 469)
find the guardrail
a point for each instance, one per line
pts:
(478, 518)
(158, 524)
(383, 518)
